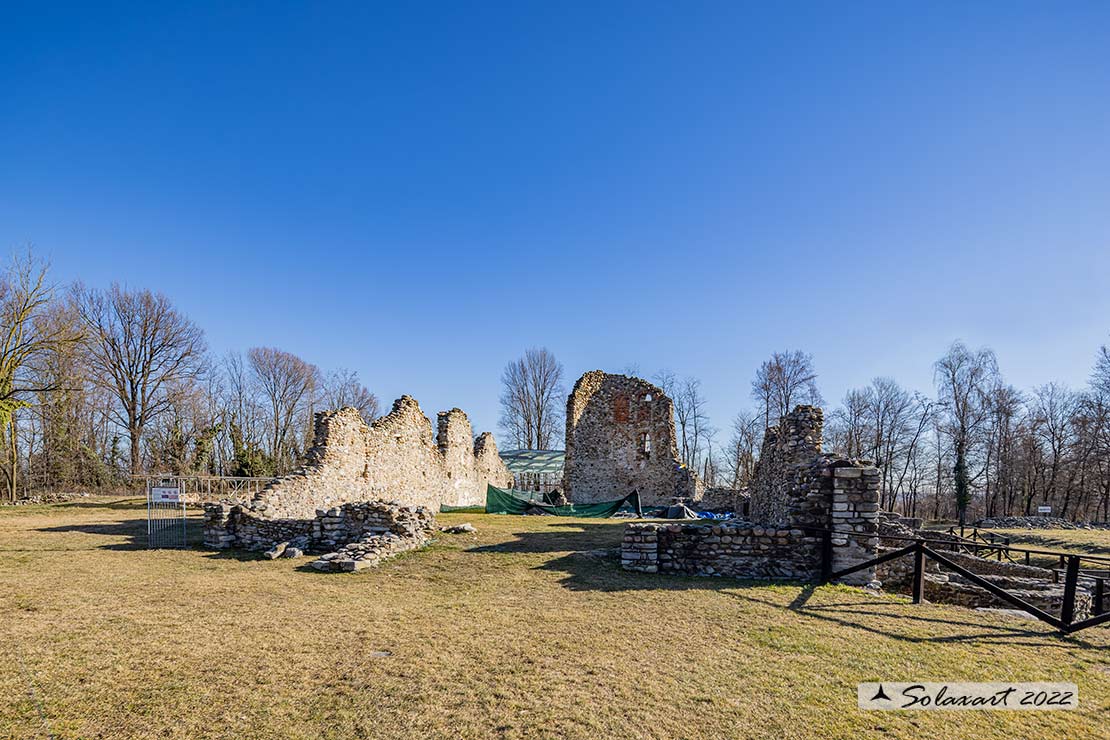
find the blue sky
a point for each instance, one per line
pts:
(420, 191)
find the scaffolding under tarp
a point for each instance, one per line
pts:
(535, 470)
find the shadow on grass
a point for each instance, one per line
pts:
(133, 532)
(586, 568)
(560, 537)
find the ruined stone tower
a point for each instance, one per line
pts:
(621, 438)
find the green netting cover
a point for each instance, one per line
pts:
(499, 501)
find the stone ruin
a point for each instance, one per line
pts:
(394, 459)
(621, 438)
(797, 495)
(389, 476)
(368, 532)
(352, 536)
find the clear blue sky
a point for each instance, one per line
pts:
(421, 191)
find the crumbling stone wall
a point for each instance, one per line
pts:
(726, 499)
(395, 459)
(353, 536)
(795, 441)
(620, 437)
(799, 496)
(363, 534)
(797, 485)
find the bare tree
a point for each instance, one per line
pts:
(343, 388)
(141, 349)
(532, 399)
(964, 379)
(743, 447)
(692, 420)
(848, 426)
(786, 379)
(690, 416)
(287, 384)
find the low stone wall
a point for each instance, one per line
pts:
(351, 522)
(234, 526)
(741, 550)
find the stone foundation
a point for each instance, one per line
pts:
(1029, 583)
(232, 526)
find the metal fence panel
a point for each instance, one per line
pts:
(165, 513)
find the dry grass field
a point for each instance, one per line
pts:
(1080, 541)
(516, 631)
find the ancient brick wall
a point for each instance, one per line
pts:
(620, 437)
(394, 459)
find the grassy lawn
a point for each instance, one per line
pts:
(1080, 541)
(516, 631)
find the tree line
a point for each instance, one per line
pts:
(100, 385)
(978, 447)
(975, 447)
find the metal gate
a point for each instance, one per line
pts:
(165, 513)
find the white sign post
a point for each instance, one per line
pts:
(1044, 509)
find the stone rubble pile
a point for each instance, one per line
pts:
(366, 552)
(368, 532)
(351, 536)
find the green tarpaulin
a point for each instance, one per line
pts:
(499, 501)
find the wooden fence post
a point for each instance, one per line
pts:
(1071, 578)
(918, 572)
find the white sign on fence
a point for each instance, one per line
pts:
(1044, 509)
(163, 495)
